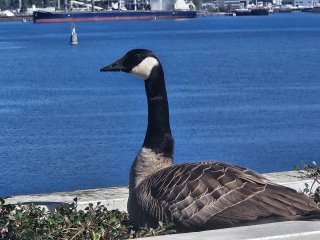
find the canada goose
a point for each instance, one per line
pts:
(194, 196)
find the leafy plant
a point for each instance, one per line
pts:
(311, 171)
(30, 222)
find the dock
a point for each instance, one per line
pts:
(21, 18)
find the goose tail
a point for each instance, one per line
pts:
(310, 216)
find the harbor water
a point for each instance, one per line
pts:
(244, 90)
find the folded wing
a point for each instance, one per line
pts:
(210, 195)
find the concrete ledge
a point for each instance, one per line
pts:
(116, 198)
(112, 198)
(292, 230)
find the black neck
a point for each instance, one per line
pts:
(158, 136)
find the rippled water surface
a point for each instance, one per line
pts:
(244, 90)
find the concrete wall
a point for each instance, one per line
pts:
(116, 198)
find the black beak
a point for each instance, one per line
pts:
(117, 66)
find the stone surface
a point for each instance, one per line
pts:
(116, 197)
(293, 230)
(112, 198)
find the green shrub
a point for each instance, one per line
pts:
(311, 171)
(31, 222)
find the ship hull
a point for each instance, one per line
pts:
(253, 12)
(54, 17)
(316, 10)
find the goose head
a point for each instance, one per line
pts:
(139, 62)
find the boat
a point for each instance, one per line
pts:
(316, 9)
(243, 12)
(285, 10)
(53, 17)
(146, 13)
(252, 12)
(307, 9)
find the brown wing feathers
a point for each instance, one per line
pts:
(212, 195)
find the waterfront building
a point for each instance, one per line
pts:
(137, 4)
(34, 8)
(6, 13)
(158, 4)
(277, 2)
(229, 4)
(287, 2)
(303, 3)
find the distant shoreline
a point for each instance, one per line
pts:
(16, 18)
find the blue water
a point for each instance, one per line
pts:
(244, 90)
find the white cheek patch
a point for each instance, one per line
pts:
(144, 69)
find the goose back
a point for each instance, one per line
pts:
(210, 195)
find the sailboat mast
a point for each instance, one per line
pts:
(92, 3)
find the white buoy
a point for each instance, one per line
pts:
(74, 37)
